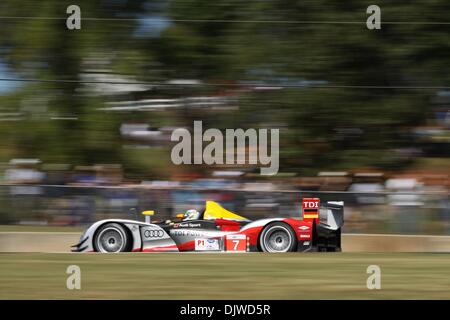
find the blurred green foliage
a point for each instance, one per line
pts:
(227, 41)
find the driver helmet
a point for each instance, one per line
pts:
(192, 214)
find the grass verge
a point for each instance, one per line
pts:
(225, 276)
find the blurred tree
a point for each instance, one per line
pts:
(349, 123)
(341, 127)
(69, 128)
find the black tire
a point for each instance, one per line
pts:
(111, 238)
(278, 237)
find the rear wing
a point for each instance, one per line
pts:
(333, 216)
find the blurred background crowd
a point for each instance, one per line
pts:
(364, 115)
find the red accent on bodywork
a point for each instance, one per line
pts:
(252, 234)
(187, 246)
(302, 228)
(228, 225)
(161, 249)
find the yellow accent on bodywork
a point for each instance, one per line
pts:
(310, 216)
(148, 212)
(215, 211)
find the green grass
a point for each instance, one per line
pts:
(25, 228)
(225, 276)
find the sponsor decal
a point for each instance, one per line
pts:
(310, 203)
(303, 228)
(304, 236)
(236, 243)
(207, 244)
(310, 208)
(186, 233)
(187, 225)
(153, 233)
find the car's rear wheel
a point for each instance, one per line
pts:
(112, 237)
(278, 237)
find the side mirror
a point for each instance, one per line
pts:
(148, 215)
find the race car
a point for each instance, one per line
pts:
(215, 229)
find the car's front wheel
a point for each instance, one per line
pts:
(278, 237)
(112, 237)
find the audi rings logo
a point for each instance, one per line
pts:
(154, 233)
